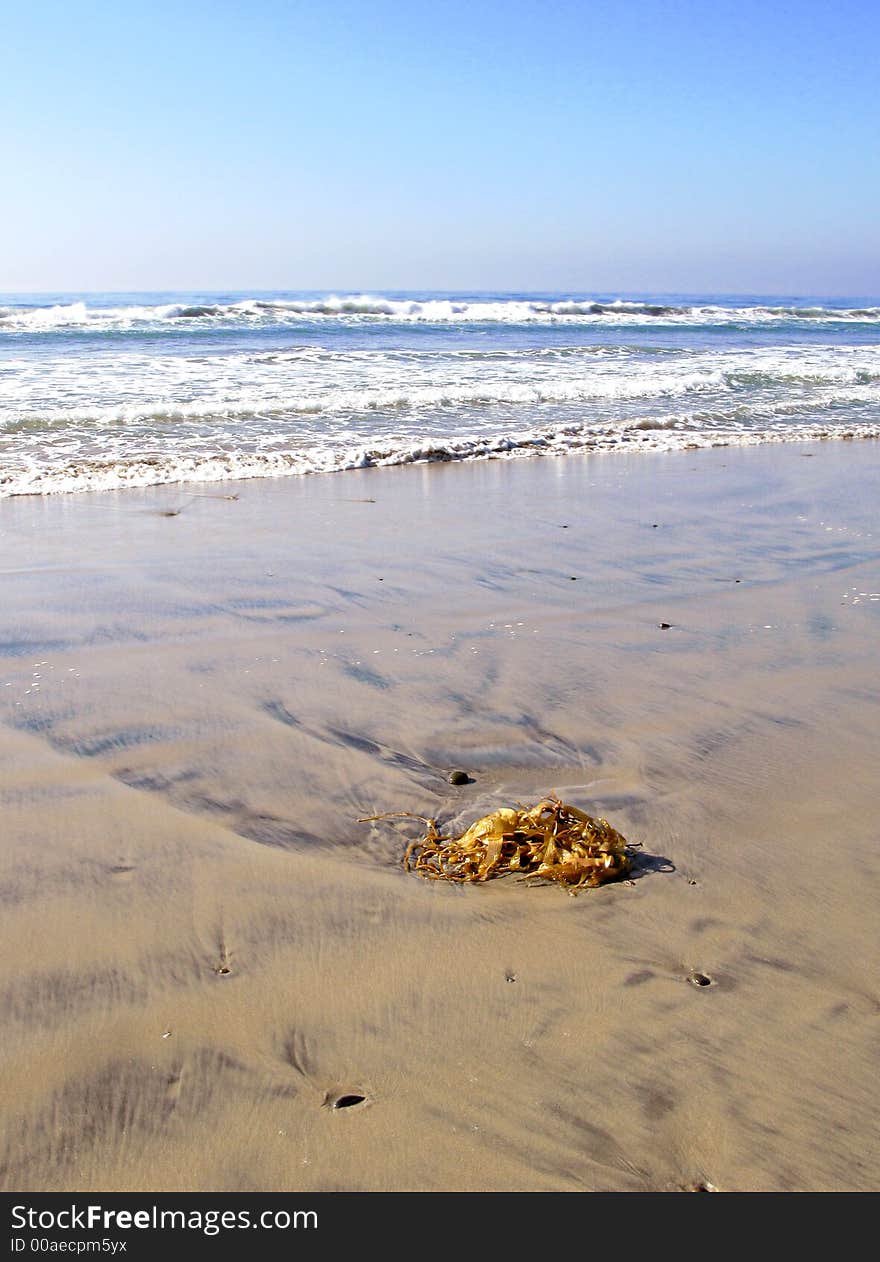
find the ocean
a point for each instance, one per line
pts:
(106, 391)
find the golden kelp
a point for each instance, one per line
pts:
(551, 840)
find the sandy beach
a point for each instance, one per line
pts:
(202, 947)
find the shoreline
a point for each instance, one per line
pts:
(642, 436)
(203, 943)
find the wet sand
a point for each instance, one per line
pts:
(202, 949)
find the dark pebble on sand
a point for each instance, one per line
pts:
(459, 777)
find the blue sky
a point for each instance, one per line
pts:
(607, 146)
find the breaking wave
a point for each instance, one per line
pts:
(372, 308)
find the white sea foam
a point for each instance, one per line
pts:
(366, 308)
(220, 466)
(128, 387)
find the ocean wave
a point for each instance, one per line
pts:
(366, 307)
(384, 399)
(441, 401)
(65, 477)
(362, 388)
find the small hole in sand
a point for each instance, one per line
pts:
(348, 1101)
(222, 970)
(700, 979)
(702, 1186)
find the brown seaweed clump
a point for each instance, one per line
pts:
(551, 840)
